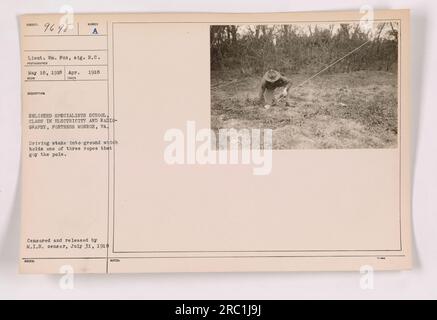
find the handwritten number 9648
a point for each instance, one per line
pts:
(51, 27)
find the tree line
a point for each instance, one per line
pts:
(249, 50)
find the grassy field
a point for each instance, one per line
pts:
(343, 110)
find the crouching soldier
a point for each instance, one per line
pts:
(271, 80)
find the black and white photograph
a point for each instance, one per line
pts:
(315, 85)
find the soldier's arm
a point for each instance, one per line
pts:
(287, 86)
(288, 81)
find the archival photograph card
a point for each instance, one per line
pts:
(215, 142)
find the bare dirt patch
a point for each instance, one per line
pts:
(342, 110)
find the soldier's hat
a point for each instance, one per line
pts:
(272, 75)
